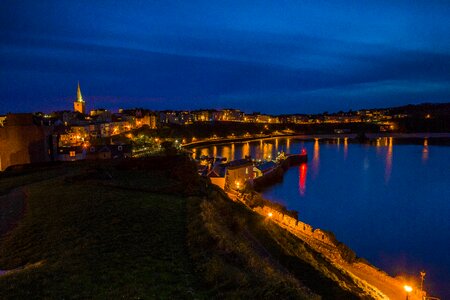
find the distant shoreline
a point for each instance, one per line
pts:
(418, 135)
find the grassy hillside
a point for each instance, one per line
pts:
(81, 239)
(152, 229)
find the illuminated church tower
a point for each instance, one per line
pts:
(79, 105)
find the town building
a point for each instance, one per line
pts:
(109, 151)
(148, 119)
(2, 121)
(71, 153)
(100, 115)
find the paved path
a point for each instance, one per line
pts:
(12, 206)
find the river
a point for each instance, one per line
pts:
(388, 201)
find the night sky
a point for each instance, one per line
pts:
(273, 57)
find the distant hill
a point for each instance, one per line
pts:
(434, 109)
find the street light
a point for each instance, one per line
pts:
(422, 276)
(408, 289)
(238, 184)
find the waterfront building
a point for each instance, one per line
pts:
(262, 118)
(238, 173)
(202, 115)
(233, 115)
(250, 118)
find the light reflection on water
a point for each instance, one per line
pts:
(345, 148)
(388, 168)
(316, 158)
(388, 202)
(302, 179)
(425, 151)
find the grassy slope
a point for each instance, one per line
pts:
(86, 241)
(264, 259)
(139, 235)
(9, 181)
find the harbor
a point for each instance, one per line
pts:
(354, 190)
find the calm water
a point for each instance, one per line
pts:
(390, 203)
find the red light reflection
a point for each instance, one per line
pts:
(303, 169)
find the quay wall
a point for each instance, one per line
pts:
(276, 175)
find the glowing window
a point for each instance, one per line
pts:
(72, 153)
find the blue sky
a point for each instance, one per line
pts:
(268, 56)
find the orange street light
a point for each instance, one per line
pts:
(408, 289)
(270, 214)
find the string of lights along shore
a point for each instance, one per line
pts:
(75, 131)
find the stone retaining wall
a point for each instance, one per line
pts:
(296, 225)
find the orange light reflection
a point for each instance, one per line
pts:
(425, 151)
(345, 148)
(232, 152)
(388, 169)
(316, 158)
(245, 150)
(226, 153)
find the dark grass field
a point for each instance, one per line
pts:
(97, 242)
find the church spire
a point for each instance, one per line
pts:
(79, 105)
(79, 96)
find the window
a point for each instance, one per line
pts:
(72, 153)
(246, 171)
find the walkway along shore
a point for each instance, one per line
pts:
(375, 282)
(219, 141)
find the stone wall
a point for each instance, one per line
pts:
(22, 142)
(295, 225)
